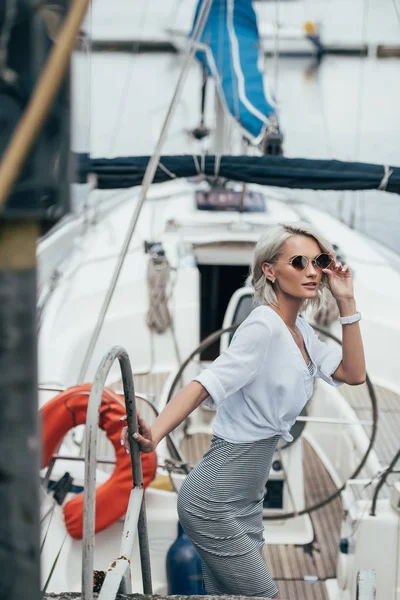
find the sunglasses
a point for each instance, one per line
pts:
(322, 261)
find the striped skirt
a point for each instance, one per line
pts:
(220, 507)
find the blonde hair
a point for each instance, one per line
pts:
(268, 249)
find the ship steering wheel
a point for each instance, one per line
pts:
(213, 337)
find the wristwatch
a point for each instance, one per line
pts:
(350, 319)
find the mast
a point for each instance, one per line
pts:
(220, 142)
(229, 51)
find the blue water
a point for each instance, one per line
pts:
(347, 109)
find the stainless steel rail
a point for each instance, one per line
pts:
(118, 576)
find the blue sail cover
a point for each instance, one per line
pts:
(232, 57)
(294, 173)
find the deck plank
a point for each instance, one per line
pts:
(302, 590)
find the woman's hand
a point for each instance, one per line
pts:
(144, 438)
(340, 280)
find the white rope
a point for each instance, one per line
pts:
(196, 164)
(385, 179)
(217, 164)
(158, 315)
(167, 171)
(159, 318)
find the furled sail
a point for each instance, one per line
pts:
(294, 173)
(231, 55)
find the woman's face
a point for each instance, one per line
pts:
(304, 284)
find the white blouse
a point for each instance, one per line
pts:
(261, 382)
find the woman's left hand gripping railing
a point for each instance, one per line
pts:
(118, 577)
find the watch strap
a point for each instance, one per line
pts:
(350, 319)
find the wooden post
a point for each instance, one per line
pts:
(21, 210)
(19, 439)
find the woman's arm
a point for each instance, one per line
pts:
(352, 368)
(231, 371)
(176, 411)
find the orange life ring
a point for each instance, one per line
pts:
(64, 412)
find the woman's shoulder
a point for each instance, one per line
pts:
(256, 331)
(262, 316)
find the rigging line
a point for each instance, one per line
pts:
(128, 79)
(147, 180)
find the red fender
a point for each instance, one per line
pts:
(67, 410)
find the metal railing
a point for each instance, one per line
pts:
(118, 577)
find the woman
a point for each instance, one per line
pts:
(259, 386)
